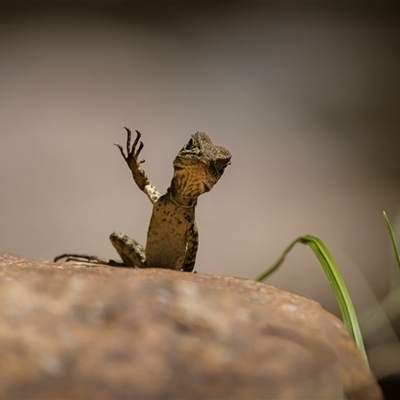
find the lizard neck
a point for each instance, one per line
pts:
(179, 203)
(182, 191)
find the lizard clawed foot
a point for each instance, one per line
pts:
(89, 259)
(132, 154)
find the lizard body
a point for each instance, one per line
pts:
(172, 237)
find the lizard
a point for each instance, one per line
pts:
(172, 237)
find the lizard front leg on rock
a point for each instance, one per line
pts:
(172, 238)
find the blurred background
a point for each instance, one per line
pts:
(304, 95)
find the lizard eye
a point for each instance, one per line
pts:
(189, 144)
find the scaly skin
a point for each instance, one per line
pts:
(172, 237)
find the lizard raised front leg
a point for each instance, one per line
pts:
(131, 158)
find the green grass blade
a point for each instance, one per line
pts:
(395, 248)
(277, 264)
(335, 279)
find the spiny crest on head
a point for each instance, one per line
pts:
(200, 145)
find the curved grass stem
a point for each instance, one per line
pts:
(336, 281)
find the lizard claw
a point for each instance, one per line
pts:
(120, 149)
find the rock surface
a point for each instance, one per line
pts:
(69, 331)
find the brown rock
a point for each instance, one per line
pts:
(68, 331)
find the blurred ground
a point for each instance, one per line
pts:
(305, 96)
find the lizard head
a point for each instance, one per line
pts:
(200, 164)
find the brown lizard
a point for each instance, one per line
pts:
(172, 237)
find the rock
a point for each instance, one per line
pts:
(73, 331)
